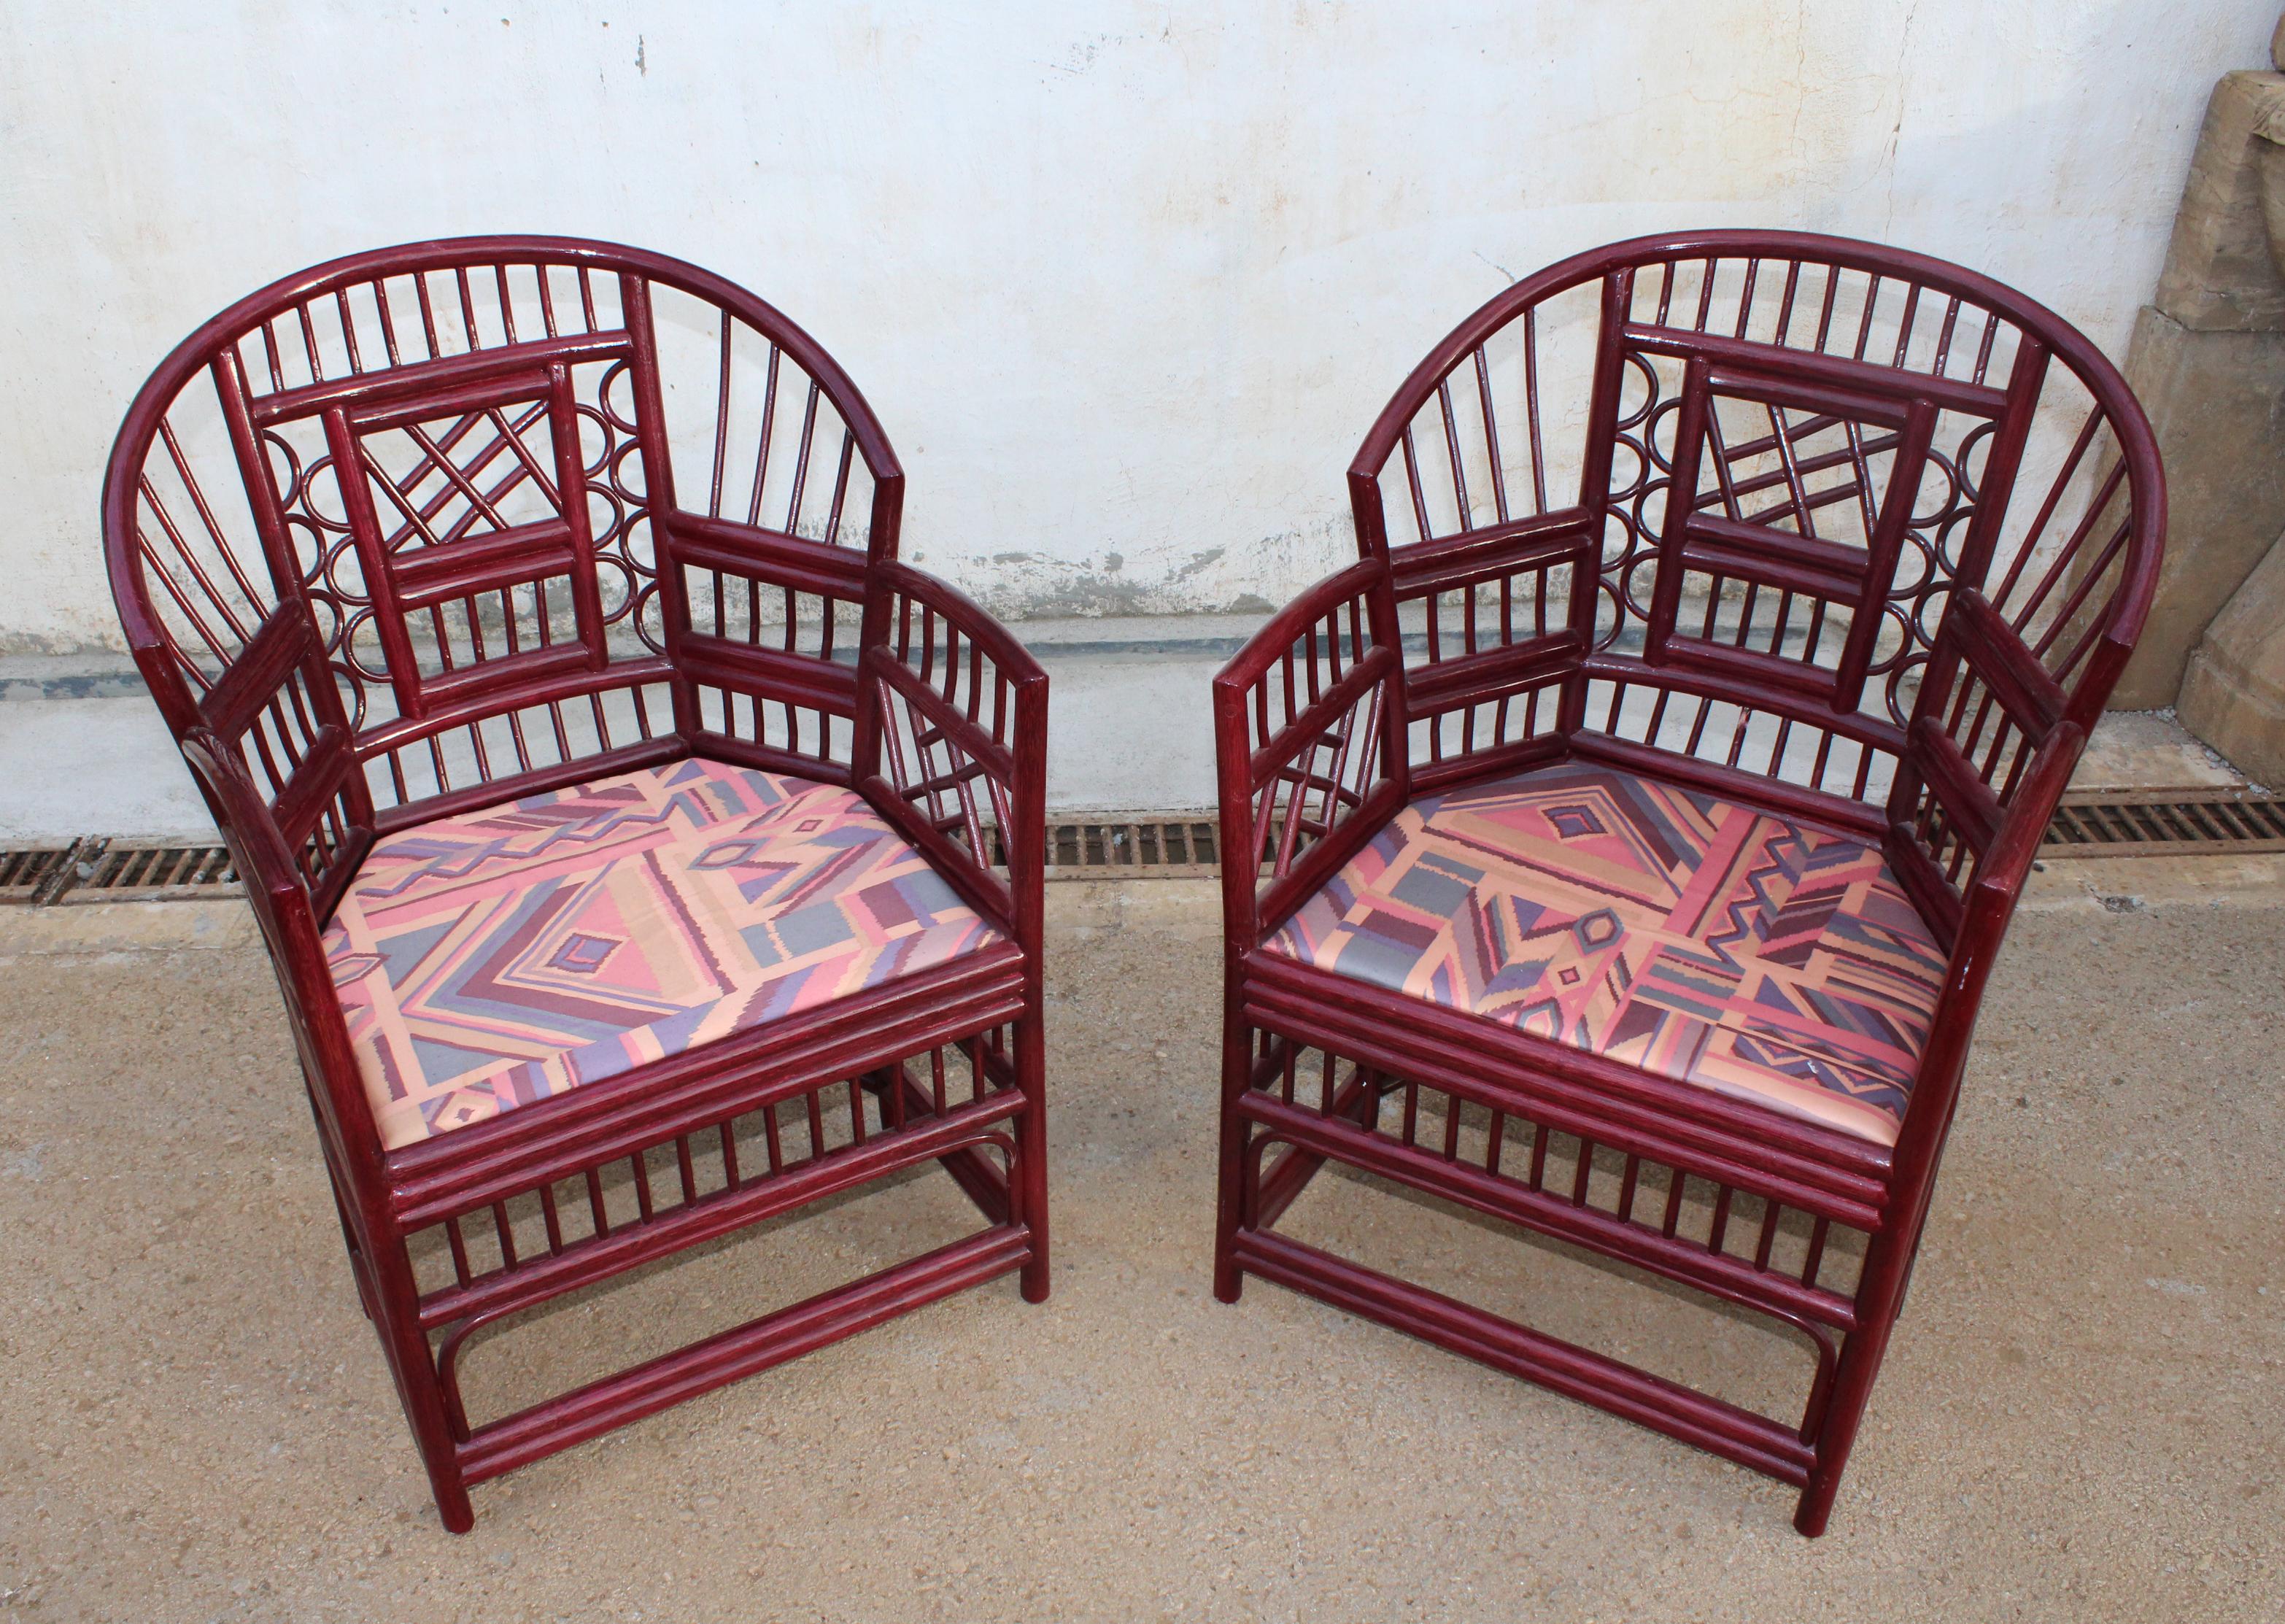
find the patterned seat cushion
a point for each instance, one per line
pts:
(1707, 942)
(499, 957)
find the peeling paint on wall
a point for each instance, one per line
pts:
(1126, 281)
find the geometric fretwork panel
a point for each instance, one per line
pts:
(496, 521)
(1749, 584)
(469, 512)
(1831, 497)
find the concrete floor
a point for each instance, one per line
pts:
(2077, 1419)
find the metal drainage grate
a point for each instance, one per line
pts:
(2166, 823)
(24, 875)
(1170, 846)
(1167, 846)
(94, 869)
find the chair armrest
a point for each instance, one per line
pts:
(1305, 729)
(1999, 877)
(284, 906)
(952, 742)
(250, 825)
(1989, 904)
(279, 761)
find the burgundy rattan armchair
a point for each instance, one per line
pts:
(644, 850)
(1630, 869)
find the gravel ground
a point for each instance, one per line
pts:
(2077, 1418)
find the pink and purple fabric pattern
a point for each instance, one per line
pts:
(499, 957)
(1709, 942)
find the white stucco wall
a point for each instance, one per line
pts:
(1126, 281)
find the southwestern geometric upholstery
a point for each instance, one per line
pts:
(1712, 944)
(495, 958)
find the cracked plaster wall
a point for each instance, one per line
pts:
(1126, 281)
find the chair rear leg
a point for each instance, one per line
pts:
(1031, 1171)
(1230, 1212)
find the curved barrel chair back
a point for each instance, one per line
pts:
(504, 396)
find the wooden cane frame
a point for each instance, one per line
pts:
(1978, 651)
(520, 602)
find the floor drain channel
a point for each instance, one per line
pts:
(1168, 846)
(94, 868)
(2166, 823)
(25, 874)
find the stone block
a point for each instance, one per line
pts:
(2219, 274)
(2234, 695)
(2216, 401)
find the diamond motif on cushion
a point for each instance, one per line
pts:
(729, 853)
(1598, 928)
(1575, 823)
(583, 954)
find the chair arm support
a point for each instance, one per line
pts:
(250, 823)
(283, 908)
(1276, 636)
(1305, 719)
(1989, 905)
(952, 742)
(2000, 877)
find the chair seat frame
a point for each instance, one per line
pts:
(247, 628)
(1328, 724)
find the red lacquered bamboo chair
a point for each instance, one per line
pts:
(1630, 868)
(644, 850)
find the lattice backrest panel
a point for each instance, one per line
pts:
(1856, 433)
(500, 579)
(467, 512)
(492, 529)
(1831, 430)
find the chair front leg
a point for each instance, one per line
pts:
(419, 1388)
(1030, 1177)
(1230, 1214)
(1879, 1296)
